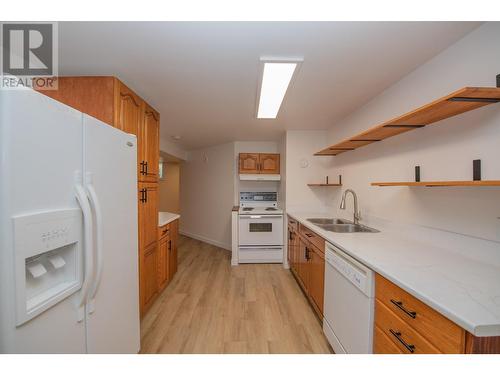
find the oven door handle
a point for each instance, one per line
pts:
(261, 216)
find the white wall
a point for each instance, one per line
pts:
(168, 188)
(207, 191)
(444, 150)
(301, 168)
(173, 149)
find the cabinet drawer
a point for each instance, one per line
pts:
(312, 237)
(382, 344)
(163, 231)
(440, 331)
(407, 339)
(292, 223)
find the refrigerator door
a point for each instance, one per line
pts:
(111, 181)
(41, 246)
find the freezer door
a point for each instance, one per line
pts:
(40, 225)
(111, 181)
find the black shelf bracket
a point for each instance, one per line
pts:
(403, 126)
(476, 100)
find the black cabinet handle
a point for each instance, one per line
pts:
(143, 197)
(290, 236)
(309, 235)
(143, 164)
(146, 165)
(399, 305)
(169, 245)
(397, 335)
(307, 254)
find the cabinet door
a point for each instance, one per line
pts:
(269, 163)
(249, 163)
(290, 247)
(127, 109)
(149, 145)
(296, 251)
(148, 214)
(302, 266)
(316, 277)
(163, 262)
(148, 276)
(172, 247)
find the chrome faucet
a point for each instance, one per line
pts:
(357, 214)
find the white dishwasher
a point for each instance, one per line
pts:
(348, 304)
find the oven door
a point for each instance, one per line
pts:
(261, 230)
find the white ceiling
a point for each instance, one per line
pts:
(203, 77)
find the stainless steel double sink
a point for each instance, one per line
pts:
(340, 225)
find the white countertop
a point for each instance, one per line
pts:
(166, 217)
(462, 285)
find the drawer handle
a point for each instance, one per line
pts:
(399, 305)
(397, 335)
(165, 231)
(309, 235)
(292, 222)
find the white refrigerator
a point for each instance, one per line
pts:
(68, 230)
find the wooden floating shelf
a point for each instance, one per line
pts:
(324, 184)
(460, 101)
(440, 183)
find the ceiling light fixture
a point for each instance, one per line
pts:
(276, 77)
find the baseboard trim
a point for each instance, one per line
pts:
(207, 240)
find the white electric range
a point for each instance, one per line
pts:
(260, 228)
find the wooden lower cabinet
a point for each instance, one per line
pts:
(156, 271)
(382, 344)
(404, 324)
(302, 265)
(316, 277)
(172, 248)
(307, 263)
(163, 262)
(148, 271)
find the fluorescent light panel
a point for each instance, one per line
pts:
(275, 80)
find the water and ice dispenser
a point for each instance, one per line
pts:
(48, 260)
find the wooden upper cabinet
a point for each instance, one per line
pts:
(128, 109)
(255, 163)
(149, 144)
(249, 163)
(91, 95)
(269, 163)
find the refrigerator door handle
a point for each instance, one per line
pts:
(94, 201)
(87, 249)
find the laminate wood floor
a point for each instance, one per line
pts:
(211, 307)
